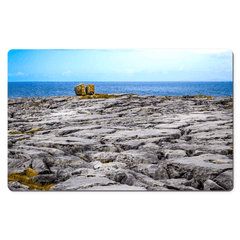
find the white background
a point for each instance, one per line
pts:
(118, 24)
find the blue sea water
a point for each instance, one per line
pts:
(47, 89)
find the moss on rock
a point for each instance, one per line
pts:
(25, 178)
(34, 130)
(166, 98)
(15, 132)
(98, 95)
(202, 96)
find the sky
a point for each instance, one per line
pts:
(119, 65)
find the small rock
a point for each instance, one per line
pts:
(16, 186)
(225, 180)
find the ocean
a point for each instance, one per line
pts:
(47, 89)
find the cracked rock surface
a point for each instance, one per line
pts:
(128, 142)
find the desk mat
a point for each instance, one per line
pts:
(120, 120)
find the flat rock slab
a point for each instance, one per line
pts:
(201, 167)
(142, 134)
(131, 157)
(80, 183)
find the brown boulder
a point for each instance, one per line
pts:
(90, 89)
(80, 90)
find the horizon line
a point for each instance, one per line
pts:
(122, 81)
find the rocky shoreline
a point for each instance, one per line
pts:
(120, 142)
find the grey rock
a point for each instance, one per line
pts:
(40, 167)
(16, 186)
(153, 171)
(225, 180)
(45, 179)
(131, 157)
(80, 183)
(201, 167)
(211, 185)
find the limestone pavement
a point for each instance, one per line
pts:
(125, 142)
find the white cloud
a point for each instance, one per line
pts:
(67, 73)
(214, 53)
(128, 71)
(17, 74)
(225, 64)
(209, 51)
(182, 67)
(20, 73)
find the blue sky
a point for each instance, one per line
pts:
(119, 65)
